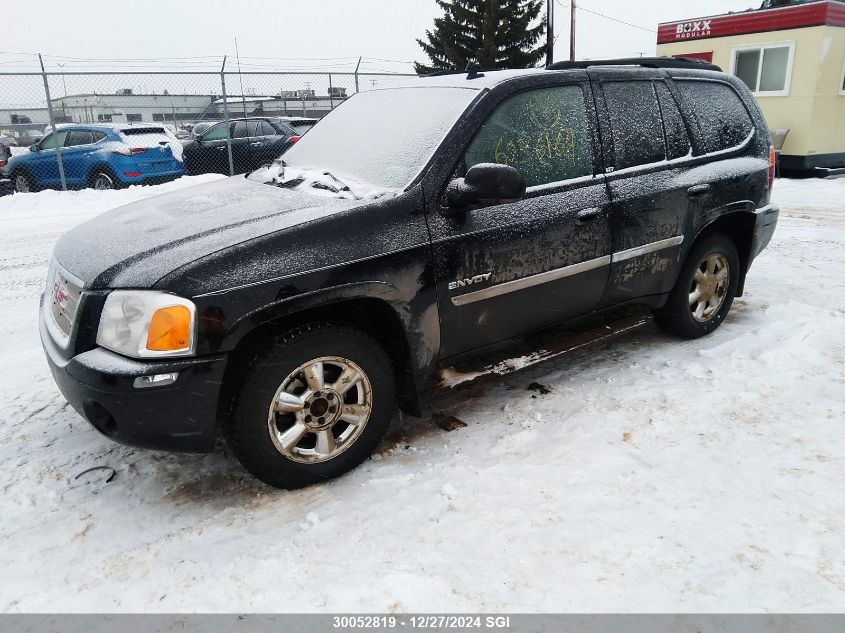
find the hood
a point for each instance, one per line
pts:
(137, 244)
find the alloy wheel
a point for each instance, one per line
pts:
(709, 287)
(103, 182)
(320, 409)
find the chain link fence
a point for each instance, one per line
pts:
(73, 130)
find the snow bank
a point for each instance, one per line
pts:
(657, 475)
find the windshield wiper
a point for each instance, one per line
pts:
(332, 183)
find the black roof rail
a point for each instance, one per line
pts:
(646, 62)
(472, 71)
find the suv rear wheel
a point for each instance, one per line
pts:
(102, 180)
(705, 290)
(314, 403)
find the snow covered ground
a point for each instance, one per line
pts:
(657, 476)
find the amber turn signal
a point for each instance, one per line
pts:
(170, 329)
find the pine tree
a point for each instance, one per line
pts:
(488, 33)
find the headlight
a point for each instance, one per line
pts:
(147, 324)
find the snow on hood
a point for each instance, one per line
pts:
(318, 182)
(139, 243)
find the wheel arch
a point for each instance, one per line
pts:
(738, 225)
(373, 315)
(98, 167)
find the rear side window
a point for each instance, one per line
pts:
(265, 129)
(677, 139)
(542, 133)
(245, 129)
(79, 137)
(99, 136)
(635, 123)
(721, 116)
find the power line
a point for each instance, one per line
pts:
(607, 17)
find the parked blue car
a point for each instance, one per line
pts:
(108, 156)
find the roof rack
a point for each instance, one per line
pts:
(645, 62)
(472, 71)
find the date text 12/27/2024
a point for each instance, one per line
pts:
(360, 622)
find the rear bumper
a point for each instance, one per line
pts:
(151, 179)
(100, 385)
(764, 228)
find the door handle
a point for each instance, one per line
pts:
(698, 191)
(221, 148)
(588, 215)
(256, 144)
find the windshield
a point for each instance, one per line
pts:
(381, 137)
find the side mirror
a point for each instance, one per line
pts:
(34, 147)
(486, 183)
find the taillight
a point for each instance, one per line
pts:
(2, 163)
(130, 151)
(294, 139)
(773, 162)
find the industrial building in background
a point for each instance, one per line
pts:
(793, 60)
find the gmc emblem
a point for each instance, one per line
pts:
(60, 296)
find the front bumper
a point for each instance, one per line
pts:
(6, 186)
(764, 228)
(100, 386)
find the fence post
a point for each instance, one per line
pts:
(53, 125)
(331, 95)
(226, 117)
(356, 75)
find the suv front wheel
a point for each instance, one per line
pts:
(705, 290)
(314, 403)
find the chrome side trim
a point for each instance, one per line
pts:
(645, 249)
(528, 282)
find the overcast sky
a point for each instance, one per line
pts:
(283, 30)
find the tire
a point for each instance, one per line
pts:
(290, 446)
(705, 290)
(23, 182)
(103, 180)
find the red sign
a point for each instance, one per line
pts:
(796, 17)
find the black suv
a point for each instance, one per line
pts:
(254, 141)
(296, 308)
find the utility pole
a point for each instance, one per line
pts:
(572, 31)
(54, 131)
(356, 74)
(226, 117)
(550, 32)
(62, 66)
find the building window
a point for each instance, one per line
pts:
(104, 118)
(766, 69)
(133, 118)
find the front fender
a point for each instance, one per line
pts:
(290, 306)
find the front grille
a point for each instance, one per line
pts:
(63, 294)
